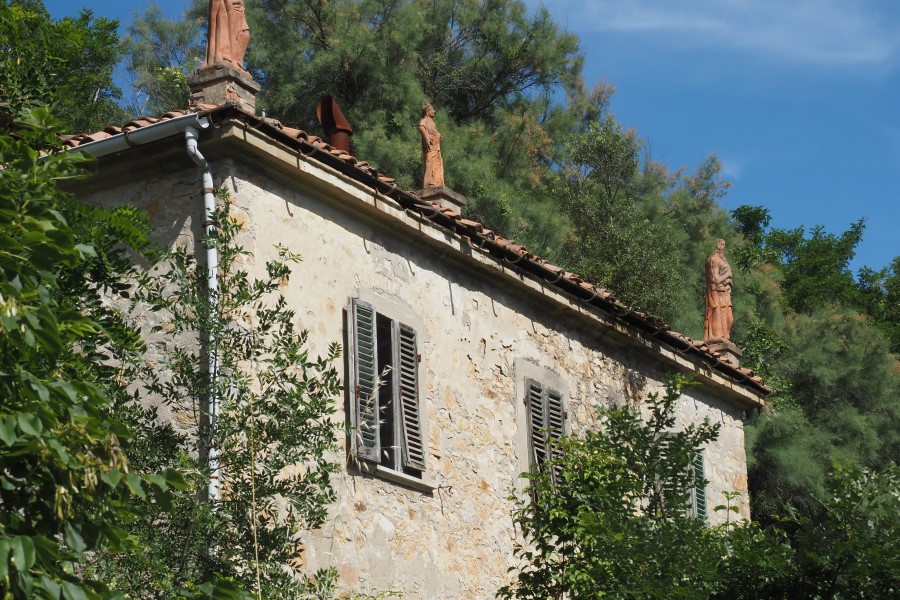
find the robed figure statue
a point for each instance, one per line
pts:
(718, 319)
(229, 35)
(431, 149)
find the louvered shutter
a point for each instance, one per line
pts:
(408, 359)
(365, 382)
(537, 422)
(555, 424)
(699, 487)
(555, 414)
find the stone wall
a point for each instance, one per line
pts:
(480, 333)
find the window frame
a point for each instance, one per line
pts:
(524, 370)
(546, 416)
(406, 460)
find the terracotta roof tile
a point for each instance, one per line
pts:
(475, 232)
(96, 137)
(142, 122)
(73, 141)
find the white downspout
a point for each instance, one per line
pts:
(190, 124)
(191, 134)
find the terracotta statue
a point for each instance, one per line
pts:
(431, 149)
(718, 319)
(229, 35)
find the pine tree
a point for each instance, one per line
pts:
(158, 54)
(614, 242)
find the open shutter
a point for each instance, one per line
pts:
(365, 382)
(699, 487)
(537, 423)
(555, 415)
(414, 445)
(555, 424)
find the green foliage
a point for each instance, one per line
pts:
(880, 299)
(101, 497)
(158, 54)
(616, 523)
(272, 436)
(837, 402)
(828, 361)
(506, 83)
(751, 222)
(470, 59)
(613, 242)
(786, 463)
(816, 270)
(849, 549)
(847, 383)
(767, 353)
(65, 479)
(854, 551)
(67, 64)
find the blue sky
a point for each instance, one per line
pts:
(799, 99)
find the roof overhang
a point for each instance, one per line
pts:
(297, 158)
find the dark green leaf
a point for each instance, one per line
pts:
(135, 484)
(22, 552)
(8, 429)
(111, 478)
(30, 424)
(73, 591)
(73, 539)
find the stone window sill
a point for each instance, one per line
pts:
(422, 485)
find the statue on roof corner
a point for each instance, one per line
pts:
(431, 149)
(718, 319)
(228, 37)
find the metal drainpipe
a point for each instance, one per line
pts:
(190, 124)
(191, 134)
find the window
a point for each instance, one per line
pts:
(546, 420)
(698, 492)
(385, 391)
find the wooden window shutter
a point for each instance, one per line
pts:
(555, 415)
(366, 442)
(408, 371)
(555, 424)
(699, 487)
(537, 422)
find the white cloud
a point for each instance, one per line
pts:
(731, 168)
(826, 32)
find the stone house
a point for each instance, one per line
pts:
(488, 345)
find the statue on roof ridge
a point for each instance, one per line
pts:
(228, 36)
(431, 149)
(718, 319)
